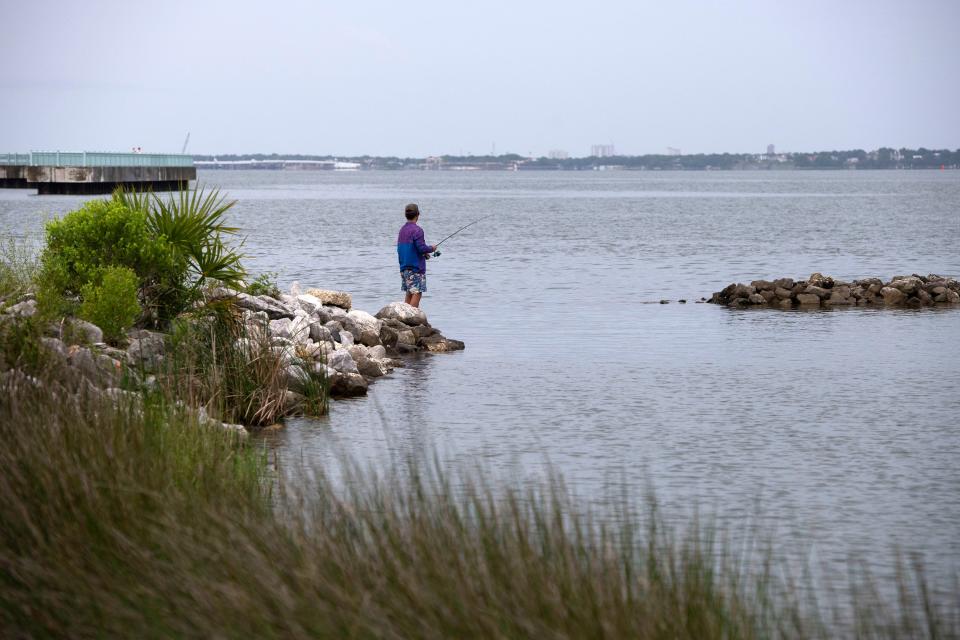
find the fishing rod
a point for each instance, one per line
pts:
(436, 253)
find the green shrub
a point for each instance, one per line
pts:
(192, 221)
(264, 284)
(107, 233)
(112, 305)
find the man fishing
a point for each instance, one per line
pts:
(413, 253)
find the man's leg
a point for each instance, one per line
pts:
(414, 299)
(407, 298)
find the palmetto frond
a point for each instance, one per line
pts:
(193, 221)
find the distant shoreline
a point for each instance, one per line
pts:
(855, 159)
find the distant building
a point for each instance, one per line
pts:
(557, 154)
(771, 150)
(602, 151)
(673, 151)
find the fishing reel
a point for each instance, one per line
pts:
(436, 254)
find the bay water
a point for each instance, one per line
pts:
(838, 427)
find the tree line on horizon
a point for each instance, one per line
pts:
(882, 158)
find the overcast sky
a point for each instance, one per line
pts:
(417, 78)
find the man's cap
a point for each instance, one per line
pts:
(412, 208)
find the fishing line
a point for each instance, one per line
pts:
(436, 254)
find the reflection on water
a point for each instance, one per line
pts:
(842, 423)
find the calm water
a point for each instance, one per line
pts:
(842, 425)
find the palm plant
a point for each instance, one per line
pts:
(193, 222)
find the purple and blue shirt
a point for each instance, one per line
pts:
(411, 248)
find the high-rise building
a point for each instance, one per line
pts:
(557, 154)
(771, 150)
(602, 151)
(673, 151)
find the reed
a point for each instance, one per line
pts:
(19, 267)
(234, 372)
(123, 516)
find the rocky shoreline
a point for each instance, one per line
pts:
(351, 347)
(318, 329)
(913, 291)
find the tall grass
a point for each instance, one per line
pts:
(19, 266)
(122, 517)
(232, 370)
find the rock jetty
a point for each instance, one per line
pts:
(317, 329)
(352, 347)
(818, 290)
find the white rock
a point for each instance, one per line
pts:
(340, 299)
(91, 333)
(367, 326)
(300, 329)
(326, 313)
(403, 312)
(342, 361)
(358, 352)
(377, 352)
(282, 328)
(310, 304)
(295, 289)
(28, 308)
(320, 333)
(273, 308)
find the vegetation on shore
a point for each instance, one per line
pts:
(125, 516)
(136, 261)
(882, 158)
(124, 512)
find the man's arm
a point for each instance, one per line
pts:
(422, 246)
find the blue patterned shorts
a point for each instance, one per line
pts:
(413, 282)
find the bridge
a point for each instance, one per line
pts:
(94, 172)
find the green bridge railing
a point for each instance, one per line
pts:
(95, 159)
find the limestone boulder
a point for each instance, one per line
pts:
(438, 344)
(368, 327)
(373, 368)
(756, 298)
(820, 280)
(388, 335)
(320, 333)
(281, 328)
(342, 361)
(893, 296)
(783, 293)
(85, 332)
(340, 299)
(839, 298)
(907, 284)
(83, 360)
(146, 349)
(808, 299)
(403, 312)
(310, 304)
(328, 313)
(345, 385)
(274, 308)
(817, 291)
(346, 338)
(25, 309)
